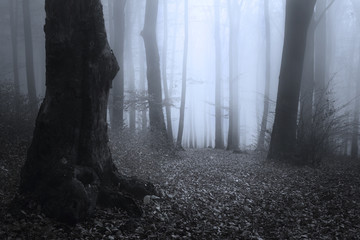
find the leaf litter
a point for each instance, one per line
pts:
(208, 194)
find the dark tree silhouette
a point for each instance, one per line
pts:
(184, 78)
(130, 71)
(69, 168)
(156, 115)
(219, 139)
(14, 45)
(297, 20)
(117, 119)
(233, 133)
(264, 120)
(29, 56)
(164, 76)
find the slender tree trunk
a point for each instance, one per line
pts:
(261, 140)
(297, 20)
(30, 76)
(184, 78)
(142, 76)
(130, 72)
(157, 122)
(320, 60)
(117, 122)
(191, 137)
(69, 168)
(219, 141)
(307, 88)
(164, 76)
(14, 40)
(233, 134)
(355, 132)
(173, 50)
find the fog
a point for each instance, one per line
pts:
(342, 61)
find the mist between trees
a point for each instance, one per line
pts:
(219, 67)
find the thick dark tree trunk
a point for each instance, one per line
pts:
(297, 20)
(117, 119)
(156, 115)
(261, 140)
(307, 88)
(30, 76)
(164, 77)
(219, 140)
(14, 44)
(69, 168)
(184, 78)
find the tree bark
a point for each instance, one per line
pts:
(320, 60)
(117, 122)
(233, 134)
(184, 78)
(156, 116)
(130, 72)
(219, 140)
(14, 45)
(355, 132)
(29, 57)
(164, 77)
(307, 89)
(69, 168)
(297, 20)
(261, 140)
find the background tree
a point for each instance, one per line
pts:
(233, 133)
(297, 20)
(14, 46)
(69, 168)
(164, 76)
(184, 77)
(261, 140)
(30, 76)
(156, 116)
(130, 72)
(219, 139)
(117, 120)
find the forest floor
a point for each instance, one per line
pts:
(205, 194)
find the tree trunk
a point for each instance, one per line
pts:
(233, 134)
(14, 41)
(142, 80)
(184, 78)
(30, 76)
(156, 116)
(355, 132)
(261, 140)
(297, 20)
(320, 61)
(164, 77)
(130, 72)
(117, 122)
(69, 168)
(306, 91)
(219, 141)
